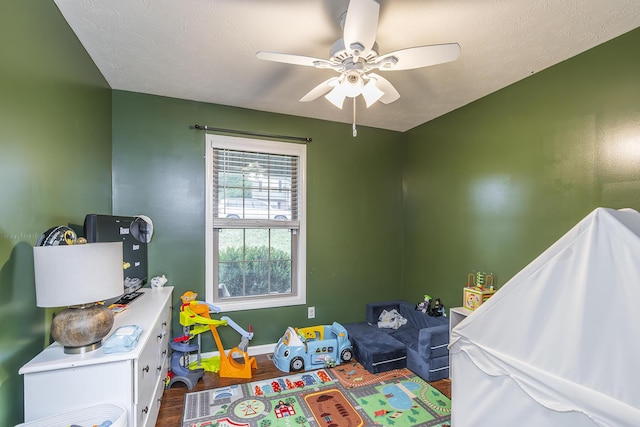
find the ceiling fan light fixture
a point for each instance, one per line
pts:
(337, 96)
(371, 93)
(352, 84)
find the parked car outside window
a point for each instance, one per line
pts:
(250, 209)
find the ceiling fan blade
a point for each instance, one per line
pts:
(289, 58)
(390, 92)
(417, 57)
(361, 26)
(320, 90)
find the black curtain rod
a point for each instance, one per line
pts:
(244, 132)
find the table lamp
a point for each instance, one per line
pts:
(78, 276)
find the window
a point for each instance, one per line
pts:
(255, 221)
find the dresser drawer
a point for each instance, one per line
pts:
(148, 405)
(150, 365)
(147, 414)
(164, 332)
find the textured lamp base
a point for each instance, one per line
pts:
(81, 329)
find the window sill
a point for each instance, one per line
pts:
(254, 304)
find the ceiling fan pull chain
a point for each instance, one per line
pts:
(355, 131)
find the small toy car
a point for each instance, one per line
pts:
(313, 347)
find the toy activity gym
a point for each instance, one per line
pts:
(195, 319)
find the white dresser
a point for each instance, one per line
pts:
(56, 383)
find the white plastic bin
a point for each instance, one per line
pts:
(92, 416)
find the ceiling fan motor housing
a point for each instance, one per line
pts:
(339, 53)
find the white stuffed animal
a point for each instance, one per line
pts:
(391, 319)
(158, 281)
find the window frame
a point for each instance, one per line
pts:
(299, 249)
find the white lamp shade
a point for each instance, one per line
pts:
(77, 274)
(371, 92)
(337, 95)
(352, 89)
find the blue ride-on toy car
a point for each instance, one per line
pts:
(312, 347)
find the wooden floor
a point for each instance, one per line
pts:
(171, 407)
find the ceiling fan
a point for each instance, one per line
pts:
(355, 56)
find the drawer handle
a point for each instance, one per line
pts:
(164, 324)
(160, 336)
(146, 368)
(159, 368)
(145, 410)
(164, 352)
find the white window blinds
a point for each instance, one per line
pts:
(254, 189)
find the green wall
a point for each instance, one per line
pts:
(492, 185)
(55, 166)
(354, 232)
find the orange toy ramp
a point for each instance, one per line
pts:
(230, 367)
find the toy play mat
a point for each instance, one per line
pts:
(345, 396)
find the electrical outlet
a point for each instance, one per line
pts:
(311, 312)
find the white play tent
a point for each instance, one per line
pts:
(559, 343)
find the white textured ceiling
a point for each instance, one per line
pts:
(204, 50)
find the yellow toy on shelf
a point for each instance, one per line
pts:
(195, 315)
(482, 289)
